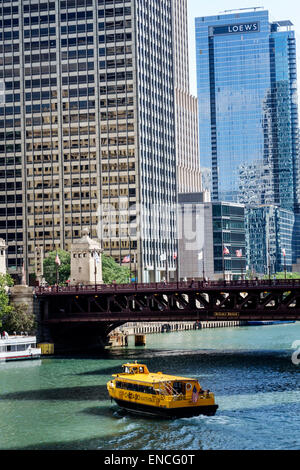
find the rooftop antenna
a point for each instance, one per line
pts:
(243, 9)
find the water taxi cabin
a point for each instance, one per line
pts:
(158, 392)
(136, 377)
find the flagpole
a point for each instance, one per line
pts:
(167, 268)
(223, 262)
(284, 268)
(269, 261)
(57, 273)
(95, 265)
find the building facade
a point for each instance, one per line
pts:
(248, 112)
(269, 232)
(87, 129)
(212, 241)
(186, 106)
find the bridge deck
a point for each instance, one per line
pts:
(183, 301)
(169, 287)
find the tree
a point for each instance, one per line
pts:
(5, 282)
(50, 267)
(282, 275)
(19, 320)
(112, 271)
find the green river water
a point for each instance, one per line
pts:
(62, 402)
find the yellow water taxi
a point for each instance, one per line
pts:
(157, 394)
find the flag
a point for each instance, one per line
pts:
(284, 252)
(57, 260)
(163, 257)
(195, 395)
(96, 257)
(175, 255)
(226, 251)
(126, 259)
(239, 253)
(200, 255)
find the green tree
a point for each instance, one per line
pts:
(50, 267)
(282, 276)
(112, 271)
(19, 320)
(5, 282)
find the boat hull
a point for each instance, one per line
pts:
(184, 412)
(19, 358)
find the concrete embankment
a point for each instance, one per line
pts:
(130, 329)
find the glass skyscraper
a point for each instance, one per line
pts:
(248, 112)
(269, 237)
(248, 121)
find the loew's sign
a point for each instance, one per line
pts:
(235, 28)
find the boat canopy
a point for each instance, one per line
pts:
(135, 369)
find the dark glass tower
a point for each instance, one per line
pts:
(248, 112)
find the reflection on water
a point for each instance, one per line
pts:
(9, 365)
(63, 402)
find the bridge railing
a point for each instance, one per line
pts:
(167, 287)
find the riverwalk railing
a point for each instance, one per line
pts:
(167, 287)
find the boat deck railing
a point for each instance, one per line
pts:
(168, 390)
(18, 339)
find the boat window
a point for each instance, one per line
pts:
(135, 387)
(179, 387)
(21, 347)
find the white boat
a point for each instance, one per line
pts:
(16, 348)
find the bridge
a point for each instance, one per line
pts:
(98, 309)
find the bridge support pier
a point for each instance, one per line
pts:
(22, 295)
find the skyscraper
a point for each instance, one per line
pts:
(248, 112)
(186, 106)
(248, 122)
(87, 129)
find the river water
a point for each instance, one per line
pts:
(62, 403)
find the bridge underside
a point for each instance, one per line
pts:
(77, 336)
(68, 315)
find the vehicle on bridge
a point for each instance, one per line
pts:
(157, 394)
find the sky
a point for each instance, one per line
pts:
(279, 10)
